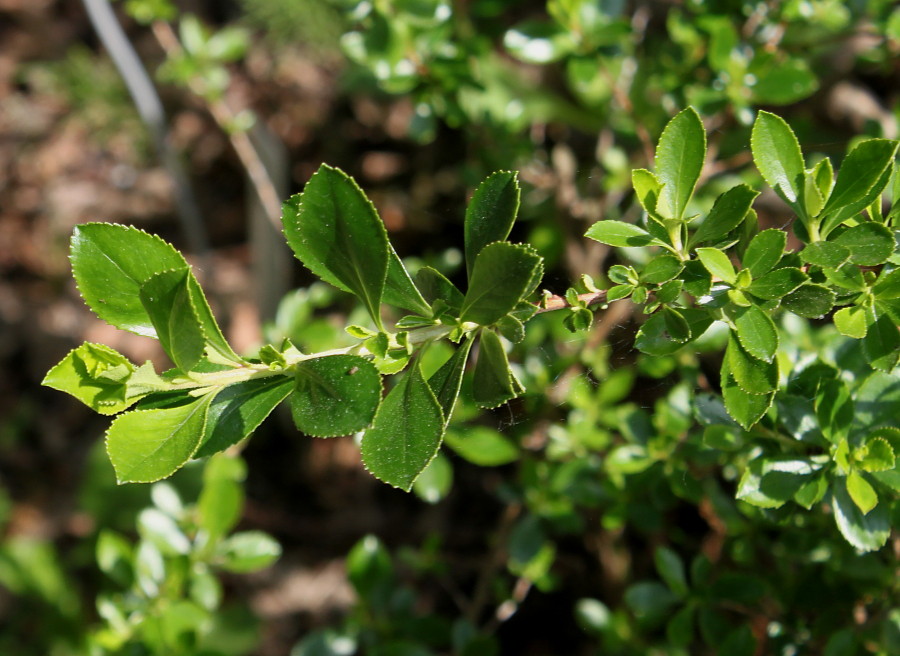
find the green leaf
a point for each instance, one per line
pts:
(96, 375)
(248, 551)
(680, 628)
(678, 162)
(756, 332)
(861, 491)
(538, 42)
(654, 338)
(147, 445)
(870, 243)
(502, 275)
(825, 254)
(809, 300)
(764, 251)
(239, 409)
(717, 263)
(647, 188)
(677, 326)
(222, 499)
(877, 454)
(650, 601)
(866, 532)
(110, 263)
(435, 481)
(745, 409)
(882, 344)
(851, 321)
(777, 155)
(494, 384)
(783, 83)
(660, 269)
(399, 289)
(483, 446)
(726, 214)
(406, 433)
(887, 286)
(861, 172)
(671, 569)
(446, 381)
(771, 482)
(335, 395)
(208, 324)
(167, 299)
(621, 234)
(812, 491)
(752, 375)
(490, 214)
(434, 286)
(335, 231)
(846, 277)
(778, 283)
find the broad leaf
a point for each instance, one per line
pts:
(862, 169)
(764, 251)
(446, 381)
(745, 409)
(809, 300)
(887, 286)
(851, 321)
(679, 160)
(406, 433)
(752, 375)
(493, 382)
(778, 283)
(726, 214)
(96, 375)
(882, 344)
(621, 234)
(861, 491)
(434, 286)
(825, 254)
(167, 299)
(110, 263)
(654, 338)
(770, 483)
(756, 332)
(147, 445)
(777, 155)
(660, 269)
(870, 243)
(490, 214)
(335, 395)
(483, 446)
(866, 532)
(717, 263)
(503, 274)
(239, 409)
(335, 231)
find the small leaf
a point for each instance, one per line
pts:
(778, 283)
(248, 551)
(717, 263)
(647, 189)
(882, 344)
(399, 289)
(222, 499)
(877, 454)
(435, 481)
(335, 395)
(660, 269)
(677, 326)
(679, 161)
(483, 446)
(621, 234)
(745, 409)
(167, 299)
(771, 482)
(147, 445)
(671, 569)
(777, 155)
(406, 433)
(764, 251)
(110, 263)
(851, 321)
(756, 332)
(860, 172)
(752, 375)
(654, 339)
(809, 300)
(96, 375)
(870, 243)
(490, 214)
(811, 492)
(446, 381)
(825, 254)
(726, 214)
(846, 277)
(866, 532)
(335, 231)
(494, 383)
(502, 275)
(861, 491)
(434, 286)
(887, 286)
(239, 409)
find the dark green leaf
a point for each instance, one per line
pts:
(679, 160)
(846, 277)
(680, 629)
(434, 286)
(697, 280)
(671, 569)
(784, 83)
(167, 300)
(654, 339)
(717, 263)
(147, 445)
(745, 409)
(770, 483)
(860, 172)
(399, 289)
(483, 446)
(887, 286)
(406, 433)
(490, 214)
(660, 269)
(870, 243)
(777, 155)
(756, 332)
(650, 601)
(825, 254)
(239, 409)
(866, 532)
(110, 263)
(335, 395)
(809, 300)
(445, 382)
(676, 325)
(620, 234)
(764, 251)
(882, 344)
(777, 283)
(335, 231)
(752, 375)
(494, 383)
(502, 275)
(726, 214)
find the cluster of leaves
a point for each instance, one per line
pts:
(213, 398)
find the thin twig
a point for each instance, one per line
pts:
(552, 302)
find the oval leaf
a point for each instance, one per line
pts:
(726, 214)
(756, 332)
(777, 155)
(752, 375)
(620, 234)
(335, 395)
(778, 283)
(493, 383)
(503, 273)
(866, 532)
(490, 214)
(861, 170)
(870, 243)
(809, 300)
(764, 251)
(167, 299)
(679, 160)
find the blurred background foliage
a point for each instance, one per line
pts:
(595, 515)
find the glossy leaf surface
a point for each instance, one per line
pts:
(503, 273)
(679, 160)
(490, 214)
(335, 395)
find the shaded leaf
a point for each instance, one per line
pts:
(493, 382)
(167, 299)
(446, 381)
(778, 283)
(247, 551)
(752, 375)
(809, 300)
(825, 254)
(726, 214)
(882, 344)
(671, 569)
(490, 214)
(653, 337)
(399, 289)
(335, 395)
(866, 532)
(870, 243)
(770, 483)
(745, 409)
(764, 251)
(503, 274)
(434, 286)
